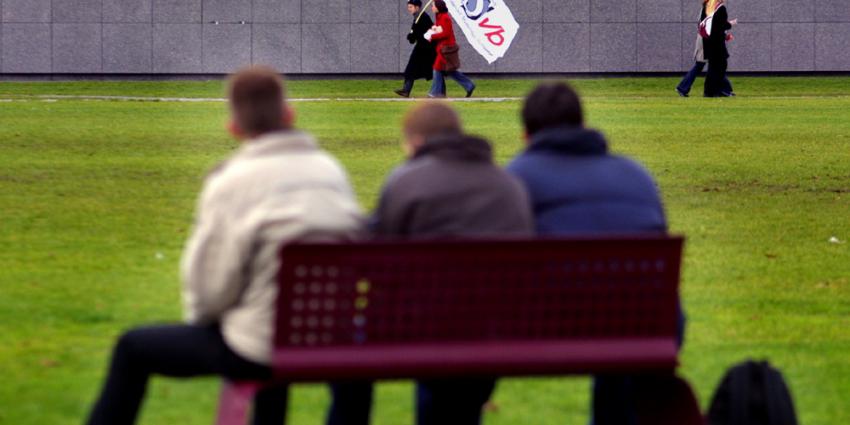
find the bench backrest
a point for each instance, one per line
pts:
(372, 298)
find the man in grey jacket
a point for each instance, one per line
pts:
(277, 188)
(449, 187)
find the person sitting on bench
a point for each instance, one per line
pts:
(577, 187)
(277, 188)
(450, 187)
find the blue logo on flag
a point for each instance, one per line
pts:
(476, 8)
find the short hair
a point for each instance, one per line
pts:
(257, 100)
(552, 105)
(431, 118)
(441, 6)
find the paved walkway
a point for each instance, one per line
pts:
(53, 98)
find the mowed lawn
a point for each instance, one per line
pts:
(97, 197)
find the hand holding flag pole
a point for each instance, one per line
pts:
(424, 10)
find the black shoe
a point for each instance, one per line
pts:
(402, 93)
(469, 93)
(681, 93)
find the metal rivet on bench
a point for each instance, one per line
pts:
(363, 286)
(301, 271)
(314, 305)
(296, 322)
(313, 322)
(316, 287)
(361, 303)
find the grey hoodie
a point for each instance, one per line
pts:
(451, 187)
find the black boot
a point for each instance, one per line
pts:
(405, 91)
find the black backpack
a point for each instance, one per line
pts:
(752, 393)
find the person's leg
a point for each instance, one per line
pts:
(452, 401)
(351, 404)
(710, 79)
(438, 86)
(406, 89)
(719, 77)
(270, 405)
(177, 351)
(613, 401)
(687, 82)
(727, 85)
(464, 82)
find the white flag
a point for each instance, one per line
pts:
(488, 25)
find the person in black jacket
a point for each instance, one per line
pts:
(423, 56)
(715, 50)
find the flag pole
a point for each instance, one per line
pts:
(424, 11)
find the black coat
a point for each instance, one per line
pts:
(421, 64)
(715, 45)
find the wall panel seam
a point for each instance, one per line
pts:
(101, 36)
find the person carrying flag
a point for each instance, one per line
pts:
(423, 55)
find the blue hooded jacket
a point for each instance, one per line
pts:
(577, 187)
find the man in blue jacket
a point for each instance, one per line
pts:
(577, 187)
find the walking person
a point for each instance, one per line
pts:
(278, 187)
(687, 82)
(715, 49)
(684, 87)
(422, 59)
(448, 56)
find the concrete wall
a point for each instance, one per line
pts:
(367, 36)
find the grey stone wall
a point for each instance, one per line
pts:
(367, 36)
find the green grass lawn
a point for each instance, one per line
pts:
(96, 199)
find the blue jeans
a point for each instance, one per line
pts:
(613, 396)
(688, 81)
(438, 86)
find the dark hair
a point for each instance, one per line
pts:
(552, 105)
(441, 6)
(418, 3)
(431, 118)
(257, 100)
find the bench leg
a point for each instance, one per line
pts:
(236, 401)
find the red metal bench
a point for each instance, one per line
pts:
(390, 310)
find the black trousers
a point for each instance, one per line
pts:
(438, 402)
(180, 351)
(715, 81)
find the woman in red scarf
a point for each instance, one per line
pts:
(448, 59)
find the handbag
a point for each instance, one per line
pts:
(705, 27)
(451, 56)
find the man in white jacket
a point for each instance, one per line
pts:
(278, 187)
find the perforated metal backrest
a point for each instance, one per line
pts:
(380, 293)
